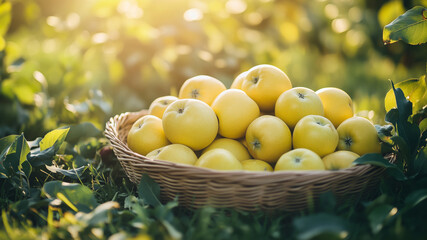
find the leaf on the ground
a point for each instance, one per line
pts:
(100, 215)
(75, 195)
(149, 191)
(16, 155)
(378, 216)
(74, 173)
(39, 158)
(415, 198)
(410, 27)
(54, 138)
(322, 226)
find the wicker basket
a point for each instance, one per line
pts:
(197, 187)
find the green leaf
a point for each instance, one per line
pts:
(149, 191)
(76, 196)
(100, 215)
(39, 158)
(16, 155)
(26, 168)
(81, 131)
(5, 17)
(420, 162)
(384, 132)
(414, 198)
(408, 131)
(377, 159)
(320, 225)
(378, 216)
(5, 144)
(74, 173)
(392, 116)
(401, 144)
(411, 27)
(415, 90)
(54, 138)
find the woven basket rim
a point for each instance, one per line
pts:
(111, 133)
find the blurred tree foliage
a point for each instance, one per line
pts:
(63, 62)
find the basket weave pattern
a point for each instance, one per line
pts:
(197, 187)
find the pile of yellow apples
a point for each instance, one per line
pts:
(261, 123)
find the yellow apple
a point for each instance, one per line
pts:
(146, 134)
(264, 83)
(219, 159)
(235, 111)
(202, 87)
(256, 165)
(190, 122)
(231, 145)
(299, 159)
(176, 153)
(358, 134)
(268, 138)
(159, 105)
(237, 83)
(316, 133)
(337, 104)
(295, 103)
(339, 160)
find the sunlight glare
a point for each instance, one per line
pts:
(99, 37)
(355, 14)
(53, 21)
(205, 55)
(355, 38)
(253, 18)
(130, 9)
(193, 14)
(220, 63)
(183, 49)
(393, 211)
(340, 25)
(235, 6)
(331, 11)
(72, 21)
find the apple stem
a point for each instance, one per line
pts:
(300, 95)
(181, 110)
(255, 80)
(256, 144)
(348, 141)
(195, 93)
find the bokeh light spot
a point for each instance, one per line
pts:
(235, 6)
(193, 14)
(130, 9)
(340, 25)
(331, 11)
(253, 18)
